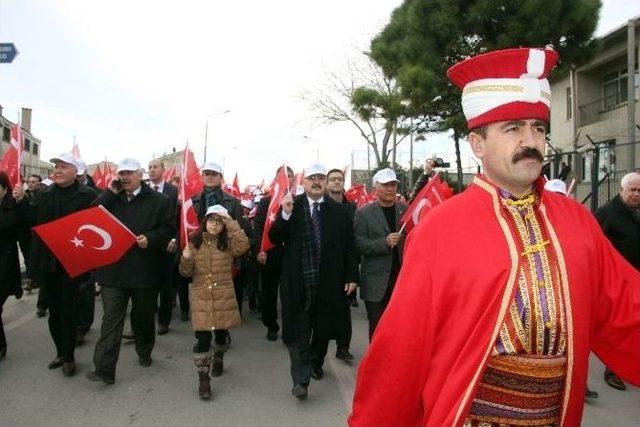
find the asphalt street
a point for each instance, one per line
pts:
(254, 390)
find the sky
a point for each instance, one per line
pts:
(137, 78)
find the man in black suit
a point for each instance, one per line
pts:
(167, 292)
(136, 275)
(271, 262)
(319, 271)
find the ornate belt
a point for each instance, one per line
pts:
(519, 391)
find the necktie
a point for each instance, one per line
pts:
(129, 196)
(155, 187)
(315, 218)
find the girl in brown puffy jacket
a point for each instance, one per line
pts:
(209, 260)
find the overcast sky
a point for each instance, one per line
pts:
(136, 78)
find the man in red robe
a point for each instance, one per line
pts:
(506, 288)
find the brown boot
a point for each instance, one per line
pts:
(218, 364)
(203, 363)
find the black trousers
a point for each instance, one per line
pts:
(85, 306)
(376, 309)
(307, 351)
(204, 339)
(182, 286)
(270, 282)
(62, 298)
(114, 303)
(167, 293)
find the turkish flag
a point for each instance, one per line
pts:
(169, 174)
(433, 194)
(107, 174)
(75, 151)
(86, 240)
(98, 178)
(357, 194)
(190, 185)
(278, 190)
(12, 158)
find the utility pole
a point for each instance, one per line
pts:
(631, 92)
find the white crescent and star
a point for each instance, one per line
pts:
(106, 238)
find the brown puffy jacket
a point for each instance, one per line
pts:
(211, 294)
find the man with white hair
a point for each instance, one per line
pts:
(135, 276)
(65, 196)
(380, 245)
(620, 222)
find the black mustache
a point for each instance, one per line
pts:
(528, 153)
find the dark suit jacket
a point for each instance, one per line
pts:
(149, 213)
(622, 228)
(371, 230)
(338, 265)
(172, 193)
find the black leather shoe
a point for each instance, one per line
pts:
(162, 329)
(69, 369)
(128, 336)
(344, 354)
(41, 312)
(613, 381)
(97, 376)
(145, 361)
(590, 394)
(317, 373)
(3, 353)
(272, 335)
(56, 363)
(300, 391)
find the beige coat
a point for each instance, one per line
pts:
(211, 294)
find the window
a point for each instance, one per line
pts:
(27, 144)
(614, 87)
(35, 149)
(6, 134)
(568, 103)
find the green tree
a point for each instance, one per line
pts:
(424, 38)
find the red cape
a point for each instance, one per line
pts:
(432, 344)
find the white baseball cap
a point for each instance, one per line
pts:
(218, 210)
(315, 169)
(82, 167)
(212, 166)
(67, 158)
(556, 185)
(128, 164)
(384, 176)
(247, 203)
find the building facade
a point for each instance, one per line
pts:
(596, 105)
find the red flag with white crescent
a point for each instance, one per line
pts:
(86, 240)
(278, 191)
(12, 159)
(98, 178)
(190, 185)
(433, 194)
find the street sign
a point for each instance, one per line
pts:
(8, 51)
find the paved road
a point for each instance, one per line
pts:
(254, 390)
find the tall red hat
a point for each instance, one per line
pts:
(502, 85)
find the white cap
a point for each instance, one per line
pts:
(246, 203)
(315, 169)
(556, 185)
(384, 176)
(218, 210)
(212, 166)
(145, 176)
(257, 198)
(47, 182)
(257, 192)
(128, 165)
(67, 158)
(82, 167)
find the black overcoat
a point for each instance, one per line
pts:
(622, 228)
(338, 266)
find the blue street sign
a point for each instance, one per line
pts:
(8, 51)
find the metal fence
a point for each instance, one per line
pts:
(601, 109)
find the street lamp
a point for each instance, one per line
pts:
(317, 146)
(206, 129)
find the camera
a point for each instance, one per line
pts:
(439, 163)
